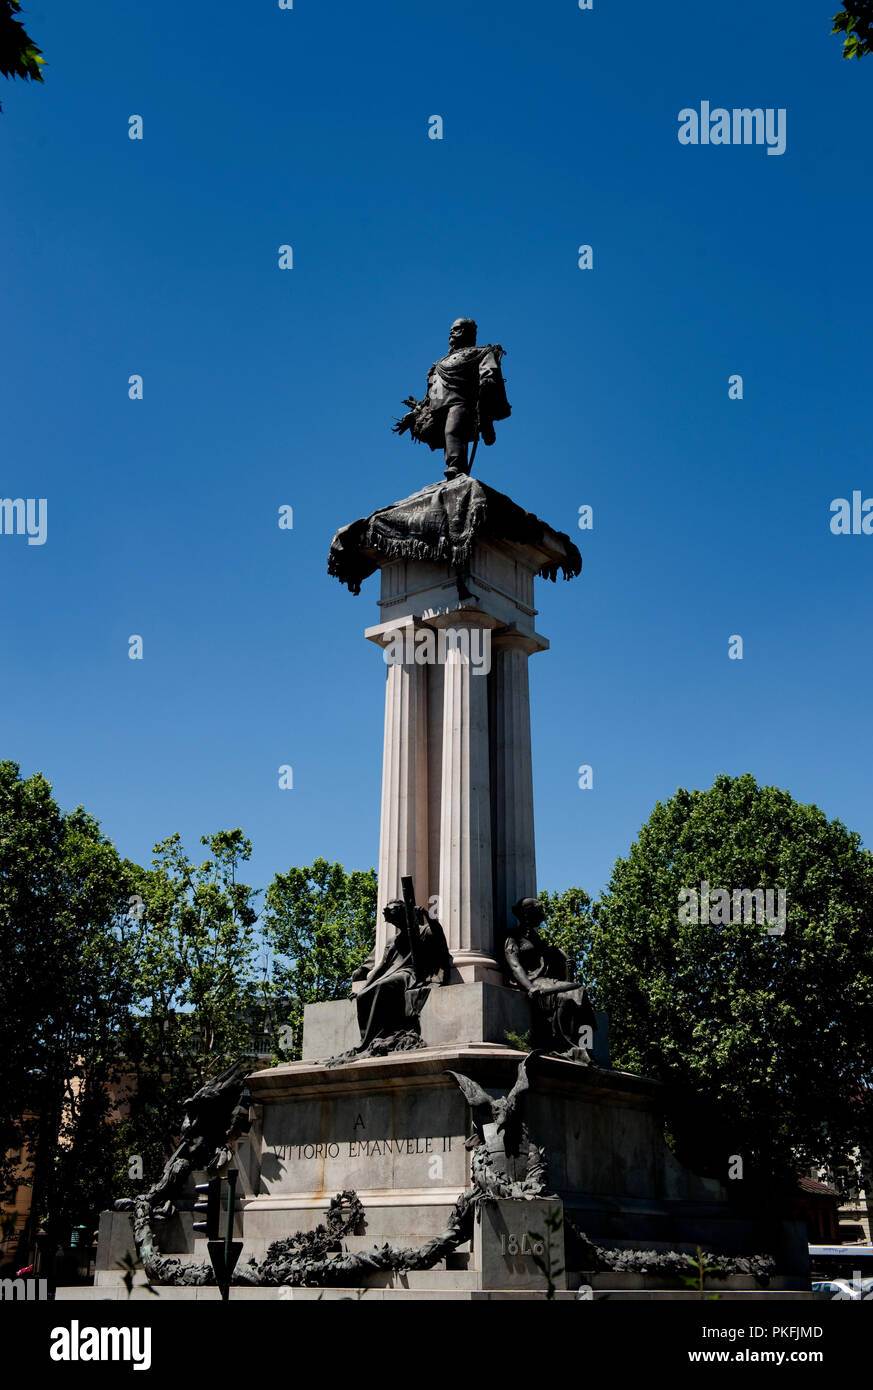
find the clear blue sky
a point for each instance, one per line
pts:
(263, 387)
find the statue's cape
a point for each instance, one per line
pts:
(442, 522)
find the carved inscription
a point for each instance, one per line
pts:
(365, 1148)
(520, 1245)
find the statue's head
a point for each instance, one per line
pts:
(462, 333)
(529, 912)
(395, 914)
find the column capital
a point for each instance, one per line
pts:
(467, 616)
(382, 633)
(511, 636)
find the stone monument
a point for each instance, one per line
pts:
(415, 1148)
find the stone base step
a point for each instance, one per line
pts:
(444, 1293)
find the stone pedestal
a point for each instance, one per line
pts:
(395, 1130)
(472, 1013)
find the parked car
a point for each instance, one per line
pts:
(840, 1288)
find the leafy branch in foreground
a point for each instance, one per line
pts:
(856, 22)
(19, 55)
(701, 1271)
(546, 1263)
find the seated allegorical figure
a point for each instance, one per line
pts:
(396, 989)
(561, 1007)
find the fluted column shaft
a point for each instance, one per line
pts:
(403, 847)
(465, 890)
(515, 871)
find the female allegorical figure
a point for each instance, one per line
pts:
(561, 1007)
(396, 990)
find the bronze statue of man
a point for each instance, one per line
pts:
(465, 395)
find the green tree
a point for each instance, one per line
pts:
(19, 55)
(771, 1034)
(66, 948)
(32, 991)
(856, 22)
(320, 922)
(108, 939)
(198, 996)
(568, 925)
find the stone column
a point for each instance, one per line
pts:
(465, 891)
(403, 829)
(515, 873)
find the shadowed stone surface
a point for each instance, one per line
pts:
(508, 1237)
(394, 1128)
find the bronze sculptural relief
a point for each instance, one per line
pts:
(506, 1162)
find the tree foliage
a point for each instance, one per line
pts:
(66, 943)
(772, 1034)
(19, 55)
(123, 989)
(320, 921)
(568, 925)
(197, 997)
(856, 22)
(117, 984)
